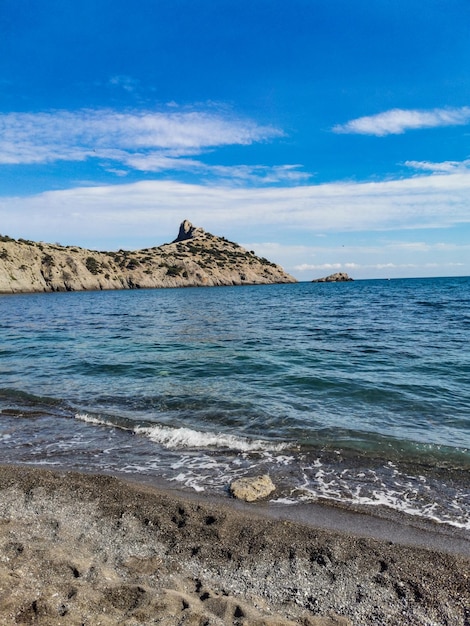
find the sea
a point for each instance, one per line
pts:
(352, 394)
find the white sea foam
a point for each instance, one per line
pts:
(41, 462)
(190, 438)
(89, 419)
(328, 485)
(189, 481)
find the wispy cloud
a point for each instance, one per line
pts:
(161, 160)
(444, 167)
(257, 173)
(122, 81)
(309, 267)
(142, 140)
(397, 121)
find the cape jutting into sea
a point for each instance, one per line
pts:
(356, 394)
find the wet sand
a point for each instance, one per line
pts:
(95, 550)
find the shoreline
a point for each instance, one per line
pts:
(375, 523)
(95, 549)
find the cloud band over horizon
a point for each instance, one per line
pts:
(432, 201)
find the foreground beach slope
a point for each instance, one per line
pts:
(194, 259)
(84, 549)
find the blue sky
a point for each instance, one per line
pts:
(327, 135)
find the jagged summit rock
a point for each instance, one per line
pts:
(195, 258)
(188, 231)
(338, 277)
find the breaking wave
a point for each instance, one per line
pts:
(173, 438)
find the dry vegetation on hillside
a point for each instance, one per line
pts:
(195, 258)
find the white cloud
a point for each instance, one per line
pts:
(307, 267)
(421, 246)
(443, 167)
(131, 138)
(397, 121)
(140, 141)
(388, 266)
(412, 246)
(434, 201)
(234, 174)
(257, 173)
(127, 210)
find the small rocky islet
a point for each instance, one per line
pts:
(195, 258)
(337, 277)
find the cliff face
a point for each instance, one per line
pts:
(195, 258)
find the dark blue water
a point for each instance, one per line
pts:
(356, 393)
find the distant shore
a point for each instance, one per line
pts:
(194, 259)
(92, 549)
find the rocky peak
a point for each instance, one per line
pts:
(188, 231)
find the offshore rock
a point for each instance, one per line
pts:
(338, 277)
(194, 259)
(252, 489)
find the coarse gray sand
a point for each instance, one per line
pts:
(95, 550)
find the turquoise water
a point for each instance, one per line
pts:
(356, 393)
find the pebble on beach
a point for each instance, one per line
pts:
(252, 489)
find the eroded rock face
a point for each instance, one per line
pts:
(252, 489)
(195, 259)
(338, 277)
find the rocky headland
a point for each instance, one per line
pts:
(195, 258)
(338, 277)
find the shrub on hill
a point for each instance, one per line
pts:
(92, 265)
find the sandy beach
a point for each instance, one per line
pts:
(95, 550)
